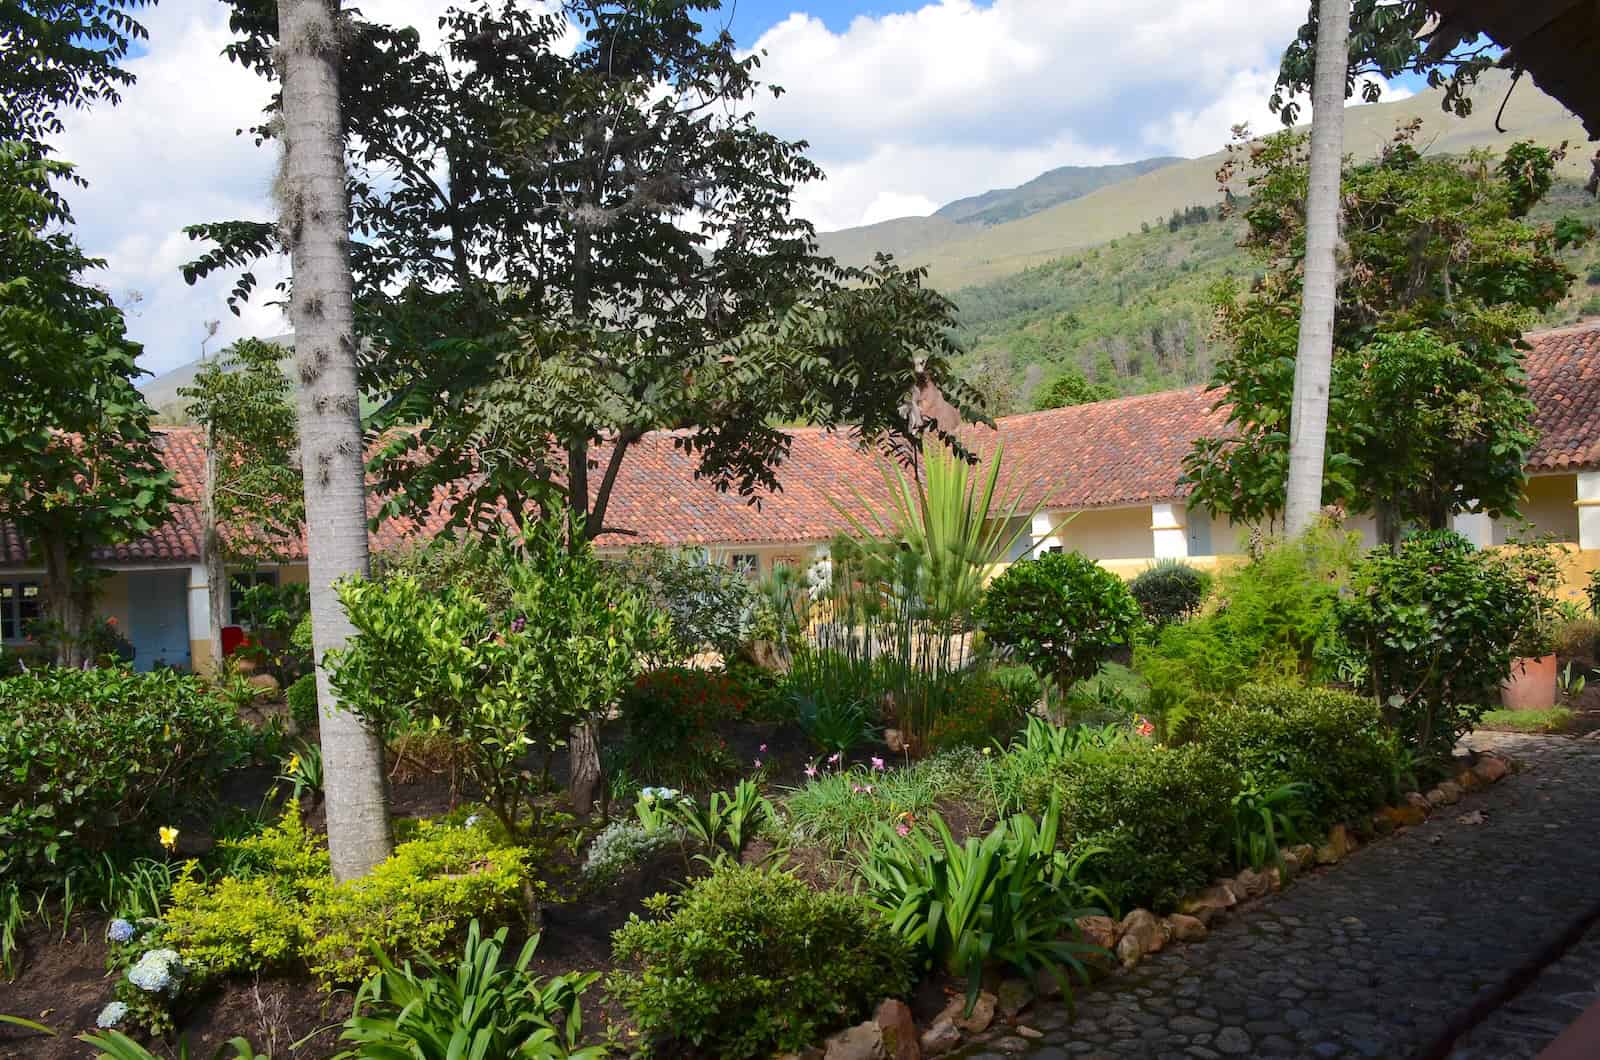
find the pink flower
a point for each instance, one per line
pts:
(811, 770)
(869, 789)
(758, 763)
(855, 789)
(1144, 728)
(833, 759)
(877, 763)
(902, 829)
(762, 748)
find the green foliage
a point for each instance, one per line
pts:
(1069, 387)
(1330, 744)
(1264, 820)
(1427, 407)
(245, 402)
(1043, 749)
(418, 899)
(749, 962)
(1160, 813)
(301, 698)
(982, 712)
(1273, 620)
(1439, 622)
(474, 1010)
(833, 724)
(492, 316)
(81, 468)
(727, 822)
(1170, 590)
(1591, 592)
(273, 614)
(711, 606)
(277, 905)
(839, 807)
(95, 760)
(115, 1045)
(498, 685)
(672, 719)
(834, 694)
(1061, 613)
(1002, 900)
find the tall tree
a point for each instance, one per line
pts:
(1313, 362)
(314, 221)
(1429, 415)
(561, 251)
(254, 494)
(79, 466)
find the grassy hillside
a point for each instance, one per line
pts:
(965, 256)
(1133, 313)
(1044, 191)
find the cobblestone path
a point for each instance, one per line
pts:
(1383, 954)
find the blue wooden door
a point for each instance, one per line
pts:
(158, 618)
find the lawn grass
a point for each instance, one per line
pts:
(1554, 719)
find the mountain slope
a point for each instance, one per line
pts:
(1044, 191)
(1134, 313)
(971, 256)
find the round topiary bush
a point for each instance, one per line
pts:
(1170, 591)
(1062, 614)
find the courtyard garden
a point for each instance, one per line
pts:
(644, 806)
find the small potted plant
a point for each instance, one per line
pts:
(1533, 680)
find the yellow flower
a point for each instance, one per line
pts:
(294, 763)
(169, 836)
(986, 750)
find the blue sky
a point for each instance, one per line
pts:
(907, 104)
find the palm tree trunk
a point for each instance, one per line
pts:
(1308, 421)
(315, 220)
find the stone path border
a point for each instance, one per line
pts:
(1385, 955)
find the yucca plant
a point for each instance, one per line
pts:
(909, 574)
(1010, 898)
(476, 1011)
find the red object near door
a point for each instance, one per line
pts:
(232, 639)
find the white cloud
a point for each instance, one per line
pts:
(976, 96)
(904, 111)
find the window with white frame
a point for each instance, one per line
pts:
(746, 563)
(239, 581)
(20, 604)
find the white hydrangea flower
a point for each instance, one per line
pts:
(158, 971)
(111, 1015)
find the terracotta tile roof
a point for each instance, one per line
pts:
(1564, 382)
(1111, 453)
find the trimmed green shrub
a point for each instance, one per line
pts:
(750, 962)
(1439, 623)
(278, 905)
(1062, 614)
(1170, 591)
(672, 718)
(302, 700)
(1161, 813)
(1331, 742)
(94, 760)
(1272, 621)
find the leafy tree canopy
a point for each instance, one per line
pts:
(1428, 412)
(80, 468)
(60, 55)
(1389, 38)
(556, 252)
(1070, 387)
(246, 404)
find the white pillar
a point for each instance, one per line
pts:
(1589, 509)
(1477, 527)
(1048, 532)
(1169, 538)
(199, 619)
